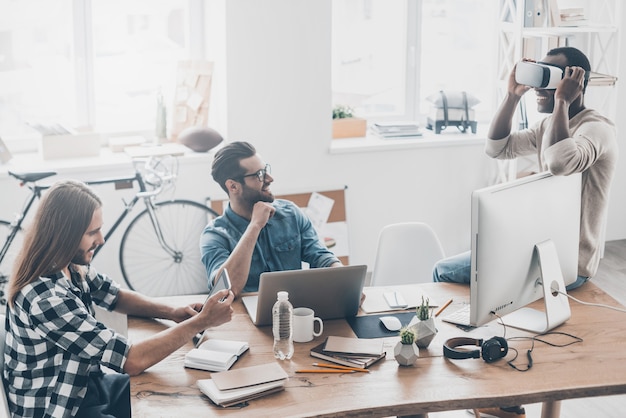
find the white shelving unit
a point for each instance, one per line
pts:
(524, 36)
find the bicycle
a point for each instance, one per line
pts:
(159, 251)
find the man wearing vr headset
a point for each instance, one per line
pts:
(572, 139)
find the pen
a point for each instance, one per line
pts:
(335, 366)
(445, 305)
(325, 371)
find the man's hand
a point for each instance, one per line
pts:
(514, 88)
(571, 86)
(261, 213)
(217, 311)
(186, 312)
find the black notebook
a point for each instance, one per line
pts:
(362, 361)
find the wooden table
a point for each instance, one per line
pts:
(595, 367)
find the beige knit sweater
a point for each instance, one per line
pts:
(592, 150)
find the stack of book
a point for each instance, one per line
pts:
(236, 386)
(215, 355)
(599, 79)
(350, 352)
(390, 130)
(573, 16)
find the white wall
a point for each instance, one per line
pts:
(278, 70)
(278, 74)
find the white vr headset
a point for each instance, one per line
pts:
(540, 76)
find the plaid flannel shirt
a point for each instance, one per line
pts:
(54, 342)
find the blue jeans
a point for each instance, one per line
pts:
(108, 396)
(456, 269)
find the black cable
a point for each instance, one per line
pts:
(534, 338)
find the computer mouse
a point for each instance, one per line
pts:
(391, 323)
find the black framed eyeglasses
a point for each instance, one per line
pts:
(260, 174)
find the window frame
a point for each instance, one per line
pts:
(84, 61)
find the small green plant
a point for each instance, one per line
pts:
(407, 336)
(423, 311)
(342, 112)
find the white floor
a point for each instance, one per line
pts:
(605, 407)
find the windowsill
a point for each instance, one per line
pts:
(451, 137)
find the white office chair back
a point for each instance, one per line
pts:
(406, 254)
(4, 405)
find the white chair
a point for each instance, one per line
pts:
(406, 254)
(4, 405)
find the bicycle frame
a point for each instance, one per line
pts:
(144, 193)
(148, 198)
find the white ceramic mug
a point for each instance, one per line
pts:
(304, 320)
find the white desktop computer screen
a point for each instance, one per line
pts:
(514, 225)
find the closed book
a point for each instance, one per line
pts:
(235, 386)
(236, 396)
(354, 346)
(396, 129)
(215, 355)
(345, 359)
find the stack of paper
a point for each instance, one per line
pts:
(573, 16)
(396, 129)
(236, 386)
(215, 355)
(351, 352)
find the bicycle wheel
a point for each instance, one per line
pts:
(148, 268)
(6, 265)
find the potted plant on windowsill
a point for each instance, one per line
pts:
(406, 352)
(346, 125)
(423, 325)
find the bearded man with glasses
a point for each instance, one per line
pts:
(256, 233)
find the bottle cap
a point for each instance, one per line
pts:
(282, 295)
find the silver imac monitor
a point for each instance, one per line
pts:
(525, 237)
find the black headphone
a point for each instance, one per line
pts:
(491, 350)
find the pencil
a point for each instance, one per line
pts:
(445, 305)
(325, 371)
(336, 366)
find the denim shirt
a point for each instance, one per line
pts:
(284, 243)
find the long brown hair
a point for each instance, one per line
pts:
(53, 238)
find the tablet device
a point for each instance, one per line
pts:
(223, 282)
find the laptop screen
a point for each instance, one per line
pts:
(333, 292)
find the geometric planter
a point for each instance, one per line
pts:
(425, 331)
(406, 354)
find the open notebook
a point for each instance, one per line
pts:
(333, 292)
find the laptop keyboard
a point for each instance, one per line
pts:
(461, 316)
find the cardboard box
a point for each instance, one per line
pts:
(349, 128)
(70, 146)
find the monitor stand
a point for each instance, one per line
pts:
(557, 309)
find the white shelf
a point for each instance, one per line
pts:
(568, 30)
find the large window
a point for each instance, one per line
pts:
(94, 64)
(390, 56)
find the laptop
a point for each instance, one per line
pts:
(332, 292)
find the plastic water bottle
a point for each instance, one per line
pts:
(281, 326)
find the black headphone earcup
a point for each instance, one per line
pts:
(494, 349)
